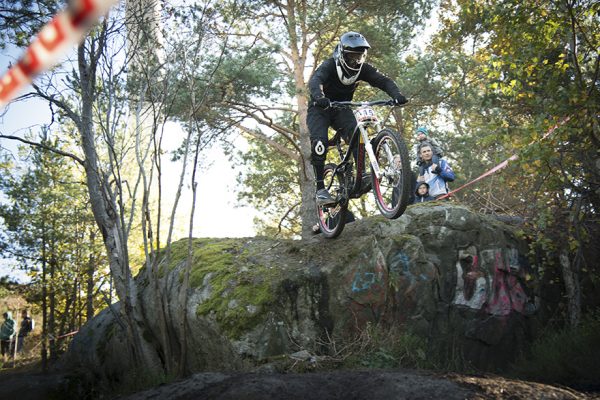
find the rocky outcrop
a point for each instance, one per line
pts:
(442, 272)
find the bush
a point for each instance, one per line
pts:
(389, 348)
(569, 356)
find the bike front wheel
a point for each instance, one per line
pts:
(391, 190)
(332, 219)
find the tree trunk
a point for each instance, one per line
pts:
(44, 303)
(106, 213)
(75, 316)
(52, 311)
(168, 346)
(306, 175)
(89, 299)
(306, 178)
(572, 288)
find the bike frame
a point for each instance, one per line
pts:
(360, 135)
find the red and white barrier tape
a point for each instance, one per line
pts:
(504, 163)
(66, 29)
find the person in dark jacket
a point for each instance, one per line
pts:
(336, 79)
(423, 139)
(27, 325)
(422, 193)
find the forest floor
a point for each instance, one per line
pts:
(29, 383)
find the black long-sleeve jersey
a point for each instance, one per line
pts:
(325, 82)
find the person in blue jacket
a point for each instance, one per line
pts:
(423, 139)
(437, 175)
(422, 193)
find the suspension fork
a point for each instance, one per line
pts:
(370, 153)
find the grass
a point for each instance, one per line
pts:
(378, 347)
(393, 349)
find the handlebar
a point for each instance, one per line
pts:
(341, 104)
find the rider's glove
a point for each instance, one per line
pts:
(323, 102)
(400, 99)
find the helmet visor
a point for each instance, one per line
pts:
(354, 59)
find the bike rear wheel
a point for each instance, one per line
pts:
(392, 189)
(332, 219)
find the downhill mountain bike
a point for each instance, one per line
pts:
(389, 176)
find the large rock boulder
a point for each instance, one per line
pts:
(458, 279)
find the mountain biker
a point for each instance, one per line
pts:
(336, 79)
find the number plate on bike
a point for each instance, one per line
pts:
(365, 114)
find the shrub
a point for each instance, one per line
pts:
(569, 356)
(389, 348)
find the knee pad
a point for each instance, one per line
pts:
(318, 151)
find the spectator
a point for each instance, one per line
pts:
(436, 175)
(422, 193)
(27, 325)
(7, 333)
(424, 139)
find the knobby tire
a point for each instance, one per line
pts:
(391, 191)
(332, 219)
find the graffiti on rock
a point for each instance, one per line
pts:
(490, 282)
(508, 293)
(368, 289)
(383, 289)
(363, 281)
(400, 270)
(471, 283)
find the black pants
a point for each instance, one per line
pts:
(319, 121)
(5, 347)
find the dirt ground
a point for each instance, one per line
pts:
(347, 385)
(355, 385)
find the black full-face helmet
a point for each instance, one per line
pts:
(349, 55)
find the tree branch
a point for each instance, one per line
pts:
(264, 138)
(43, 146)
(59, 103)
(265, 120)
(287, 213)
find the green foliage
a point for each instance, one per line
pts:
(271, 185)
(50, 231)
(21, 20)
(568, 356)
(531, 66)
(3, 291)
(233, 75)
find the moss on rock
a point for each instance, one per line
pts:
(239, 289)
